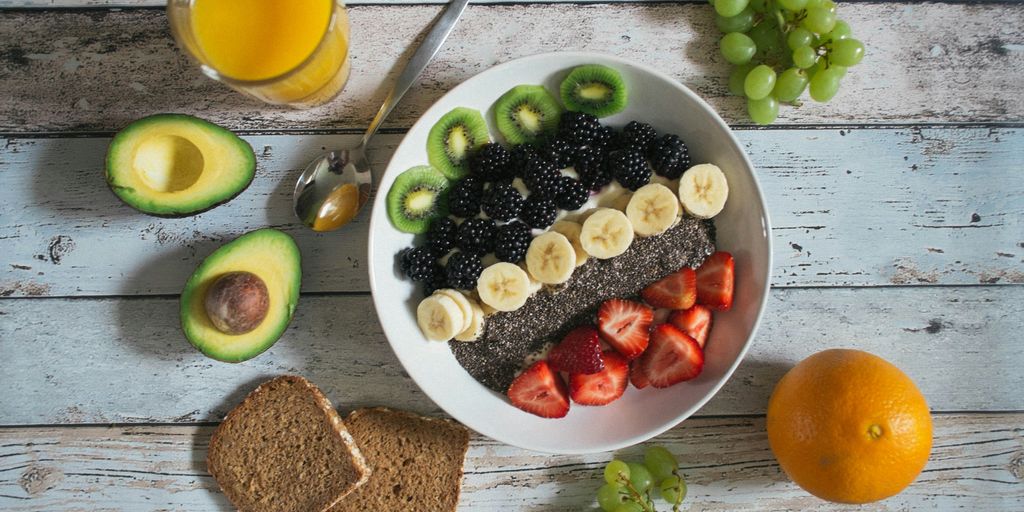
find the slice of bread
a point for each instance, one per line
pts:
(416, 461)
(285, 449)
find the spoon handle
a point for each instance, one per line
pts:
(428, 48)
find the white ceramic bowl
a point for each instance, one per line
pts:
(743, 229)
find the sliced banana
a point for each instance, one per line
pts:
(535, 285)
(652, 210)
(551, 258)
(504, 286)
(439, 318)
(606, 233)
(464, 303)
(622, 202)
(703, 190)
(571, 230)
(476, 325)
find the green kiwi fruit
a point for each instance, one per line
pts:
(526, 114)
(417, 196)
(594, 89)
(454, 138)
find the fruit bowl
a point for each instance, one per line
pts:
(742, 229)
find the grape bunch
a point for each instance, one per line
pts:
(629, 486)
(782, 47)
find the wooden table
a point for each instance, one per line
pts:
(898, 229)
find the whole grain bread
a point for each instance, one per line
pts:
(417, 462)
(285, 449)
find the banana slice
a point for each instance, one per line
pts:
(462, 301)
(652, 210)
(504, 286)
(551, 258)
(622, 202)
(476, 325)
(439, 318)
(571, 230)
(703, 190)
(535, 285)
(606, 233)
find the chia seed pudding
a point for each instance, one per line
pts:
(511, 338)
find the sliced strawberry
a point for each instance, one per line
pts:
(636, 376)
(672, 357)
(695, 321)
(540, 391)
(603, 387)
(579, 352)
(625, 325)
(677, 290)
(715, 281)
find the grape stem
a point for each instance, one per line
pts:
(634, 494)
(679, 494)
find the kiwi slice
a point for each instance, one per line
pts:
(454, 138)
(526, 114)
(594, 89)
(417, 196)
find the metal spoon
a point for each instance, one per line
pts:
(334, 187)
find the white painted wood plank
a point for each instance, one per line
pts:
(850, 208)
(125, 361)
(976, 463)
(926, 63)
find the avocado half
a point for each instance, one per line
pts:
(176, 165)
(269, 254)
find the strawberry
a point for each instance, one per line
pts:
(625, 325)
(715, 281)
(672, 357)
(695, 321)
(603, 387)
(636, 376)
(579, 352)
(677, 290)
(540, 391)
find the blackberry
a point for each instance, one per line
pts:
(463, 270)
(464, 197)
(442, 236)
(512, 241)
(629, 168)
(491, 162)
(578, 127)
(542, 178)
(637, 135)
(558, 151)
(572, 194)
(476, 236)
(603, 139)
(669, 156)
(538, 213)
(502, 201)
(590, 165)
(437, 280)
(417, 263)
(520, 159)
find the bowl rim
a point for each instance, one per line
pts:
(767, 263)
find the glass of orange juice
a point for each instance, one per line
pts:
(284, 52)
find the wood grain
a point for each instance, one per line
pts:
(926, 63)
(976, 463)
(935, 206)
(125, 361)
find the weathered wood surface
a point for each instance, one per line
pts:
(97, 70)
(977, 463)
(936, 206)
(125, 361)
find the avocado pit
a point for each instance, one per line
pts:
(237, 302)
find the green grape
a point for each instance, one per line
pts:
(799, 37)
(610, 496)
(730, 8)
(614, 469)
(759, 82)
(811, 4)
(792, 5)
(737, 48)
(760, 6)
(847, 52)
(764, 110)
(825, 84)
(742, 22)
(660, 462)
(629, 506)
(829, 4)
(640, 477)
(736, 78)
(824, 64)
(790, 85)
(766, 37)
(673, 489)
(841, 30)
(819, 20)
(804, 57)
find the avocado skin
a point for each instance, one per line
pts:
(172, 213)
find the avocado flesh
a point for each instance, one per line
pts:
(269, 254)
(174, 165)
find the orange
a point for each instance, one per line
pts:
(848, 426)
